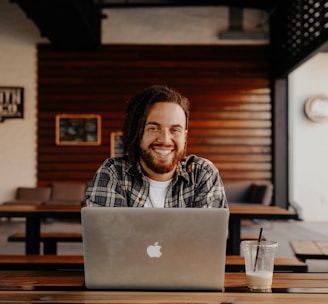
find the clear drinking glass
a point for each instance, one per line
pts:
(259, 263)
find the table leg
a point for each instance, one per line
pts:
(32, 232)
(234, 236)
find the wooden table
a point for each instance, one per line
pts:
(109, 297)
(249, 211)
(234, 263)
(315, 250)
(68, 287)
(74, 280)
(33, 215)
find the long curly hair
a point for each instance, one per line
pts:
(137, 112)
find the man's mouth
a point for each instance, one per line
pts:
(163, 152)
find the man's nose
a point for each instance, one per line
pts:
(164, 136)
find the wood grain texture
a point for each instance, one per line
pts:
(68, 287)
(228, 87)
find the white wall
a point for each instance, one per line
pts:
(308, 141)
(18, 37)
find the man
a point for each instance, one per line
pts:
(155, 172)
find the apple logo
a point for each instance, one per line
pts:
(154, 251)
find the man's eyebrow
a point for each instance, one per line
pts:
(158, 124)
(152, 123)
(177, 125)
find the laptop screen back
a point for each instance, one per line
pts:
(154, 248)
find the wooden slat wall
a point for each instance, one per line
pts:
(228, 87)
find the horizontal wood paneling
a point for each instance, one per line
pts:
(228, 87)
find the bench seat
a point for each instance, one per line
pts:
(252, 237)
(235, 263)
(49, 239)
(41, 262)
(57, 262)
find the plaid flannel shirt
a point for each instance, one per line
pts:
(117, 183)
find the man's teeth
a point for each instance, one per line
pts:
(162, 152)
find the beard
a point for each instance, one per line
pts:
(159, 166)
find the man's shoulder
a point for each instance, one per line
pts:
(194, 169)
(192, 158)
(120, 165)
(195, 162)
(121, 162)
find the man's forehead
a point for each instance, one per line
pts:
(167, 111)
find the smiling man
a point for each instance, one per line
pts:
(155, 171)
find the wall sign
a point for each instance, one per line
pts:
(11, 102)
(316, 108)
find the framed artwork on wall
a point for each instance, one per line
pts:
(116, 144)
(78, 129)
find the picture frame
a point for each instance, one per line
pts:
(78, 129)
(116, 144)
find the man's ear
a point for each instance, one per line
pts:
(186, 141)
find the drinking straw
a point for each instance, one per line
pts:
(257, 249)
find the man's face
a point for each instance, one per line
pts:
(163, 142)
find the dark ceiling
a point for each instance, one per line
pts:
(267, 5)
(298, 28)
(76, 24)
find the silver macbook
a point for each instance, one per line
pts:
(154, 248)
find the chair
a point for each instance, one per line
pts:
(31, 195)
(249, 193)
(65, 193)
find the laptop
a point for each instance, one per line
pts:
(150, 249)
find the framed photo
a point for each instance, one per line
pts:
(116, 144)
(78, 129)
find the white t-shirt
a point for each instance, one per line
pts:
(157, 194)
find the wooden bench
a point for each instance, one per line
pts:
(304, 250)
(41, 262)
(251, 237)
(235, 263)
(61, 262)
(49, 239)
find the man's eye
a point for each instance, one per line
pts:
(176, 130)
